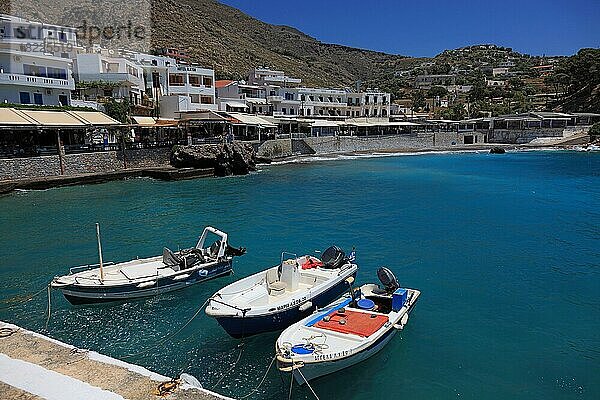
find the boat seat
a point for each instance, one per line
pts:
(170, 259)
(277, 288)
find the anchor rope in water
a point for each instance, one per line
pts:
(307, 384)
(261, 381)
(241, 347)
(27, 298)
(167, 337)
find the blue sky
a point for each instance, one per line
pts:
(425, 28)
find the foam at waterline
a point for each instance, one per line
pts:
(346, 156)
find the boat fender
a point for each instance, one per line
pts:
(305, 306)
(146, 284)
(203, 272)
(402, 323)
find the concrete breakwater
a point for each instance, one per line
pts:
(34, 366)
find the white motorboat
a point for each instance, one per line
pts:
(279, 296)
(348, 331)
(149, 276)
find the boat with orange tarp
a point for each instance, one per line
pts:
(347, 331)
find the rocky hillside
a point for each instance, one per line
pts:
(231, 42)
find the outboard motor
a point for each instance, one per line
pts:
(333, 257)
(388, 279)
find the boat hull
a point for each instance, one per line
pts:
(79, 294)
(313, 370)
(239, 327)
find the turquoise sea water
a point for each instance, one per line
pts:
(505, 249)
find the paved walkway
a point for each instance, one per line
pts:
(33, 366)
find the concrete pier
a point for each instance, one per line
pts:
(33, 366)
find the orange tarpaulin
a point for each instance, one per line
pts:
(312, 263)
(357, 323)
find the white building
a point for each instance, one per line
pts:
(243, 97)
(35, 64)
(102, 74)
(190, 88)
(266, 76)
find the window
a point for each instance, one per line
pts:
(38, 99)
(108, 92)
(207, 81)
(34, 70)
(25, 97)
(284, 110)
(206, 100)
(195, 98)
(176, 80)
(57, 73)
(63, 100)
(292, 111)
(302, 98)
(194, 80)
(62, 36)
(289, 96)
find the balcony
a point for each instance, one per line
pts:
(185, 88)
(120, 77)
(37, 81)
(272, 99)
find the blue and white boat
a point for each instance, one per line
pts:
(279, 296)
(149, 276)
(348, 331)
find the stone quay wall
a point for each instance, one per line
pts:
(276, 148)
(347, 144)
(514, 136)
(83, 163)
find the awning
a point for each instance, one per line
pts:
(403, 123)
(324, 124)
(9, 116)
(144, 121)
(256, 101)
(250, 120)
(235, 104)
(54, 118)
(94, 118)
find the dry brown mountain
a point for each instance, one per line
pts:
(231, 42)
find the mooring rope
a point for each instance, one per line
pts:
(7, 331)
(241, 346)
(164, 339)
(261, 381)
(48, 317)
(307, 384)
(27, 298)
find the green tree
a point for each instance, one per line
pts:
(595, 129)
(418, 100)
(437, 91)
(457, 112)
(118, 110)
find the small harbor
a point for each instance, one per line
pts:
(468, 230)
